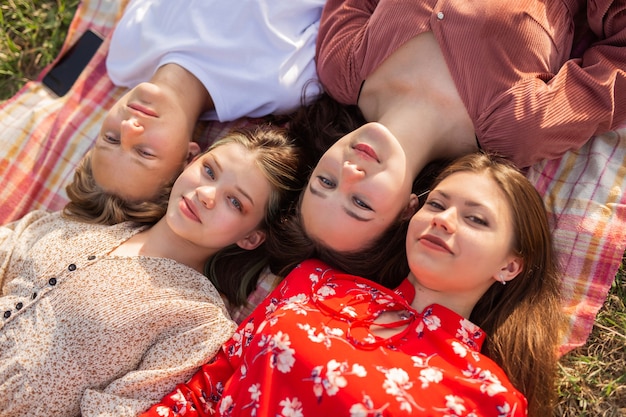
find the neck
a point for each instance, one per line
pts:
(461, 302)
(413, 94)
(160, 241)
(192, 96)
(421, 130)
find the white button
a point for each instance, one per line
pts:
(440, 15)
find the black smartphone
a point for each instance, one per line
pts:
(66, 70)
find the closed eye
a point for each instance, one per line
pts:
(109, 138)
(145, 154)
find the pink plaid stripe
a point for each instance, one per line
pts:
(584, 193)
(43, 138)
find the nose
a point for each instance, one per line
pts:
(351, 172)
(445, 219)
(130, 131)
(206, 195)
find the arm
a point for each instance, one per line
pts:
(10, 235)
(341, 46)
(586, 97)
(169, 361)
(602, 69)
(200, 395)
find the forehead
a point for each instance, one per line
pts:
(231, 152)
(128, 178)
(476, 187)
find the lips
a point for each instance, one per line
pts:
(435, 243)
(142, 109)
(189, 210)
(366, 150)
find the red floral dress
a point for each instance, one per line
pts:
(307, 350)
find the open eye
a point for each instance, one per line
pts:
(236, 203)
(326, 183)
(434, 204)
(360, 203)
(209, 171)
(478, 220)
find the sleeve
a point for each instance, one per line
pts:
(167, 363)
(586, 97)
(341, 47)
(199, 396)
(10, 235)
(602, 70)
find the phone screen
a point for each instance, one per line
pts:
(67, 69)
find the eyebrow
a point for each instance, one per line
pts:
(467, 203)
(345, 209)
(241, 190)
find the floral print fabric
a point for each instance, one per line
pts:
(309, 349)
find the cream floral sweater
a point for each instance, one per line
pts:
(84, 333)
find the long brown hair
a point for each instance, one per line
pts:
(383, 260)
(523, 319)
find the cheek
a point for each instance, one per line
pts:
(419, 222)
(110, 125)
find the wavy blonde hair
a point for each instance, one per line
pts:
(92, 204)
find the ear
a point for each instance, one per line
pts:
(411, 208)
(192, 151)
(252, 241)
(512, 269)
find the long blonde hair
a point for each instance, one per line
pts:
(235, 271)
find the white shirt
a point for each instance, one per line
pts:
(255, 57)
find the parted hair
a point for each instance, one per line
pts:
(523, 319)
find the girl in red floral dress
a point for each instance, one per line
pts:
(450, 340)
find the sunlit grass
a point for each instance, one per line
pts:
(33, 32)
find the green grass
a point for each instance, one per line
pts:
(33, 32)
(593, 380)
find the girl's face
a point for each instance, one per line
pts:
(220, 199)
(358, 188)
(143, 143)
(461, 240)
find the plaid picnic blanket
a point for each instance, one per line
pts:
(43, 137)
